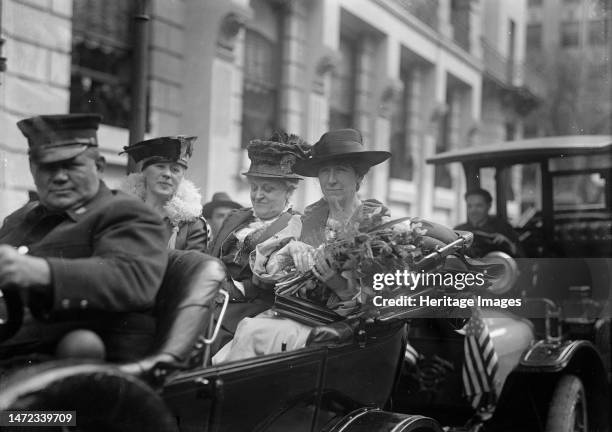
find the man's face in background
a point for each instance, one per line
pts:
(477, 209)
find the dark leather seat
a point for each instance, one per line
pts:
(332, 334)
(183, 308)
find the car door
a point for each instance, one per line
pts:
(277, 392)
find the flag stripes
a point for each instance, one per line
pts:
(480, 367)
(411, 356)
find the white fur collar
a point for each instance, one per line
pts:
(185, 206)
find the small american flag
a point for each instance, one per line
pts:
(480, 367)
(411, 356)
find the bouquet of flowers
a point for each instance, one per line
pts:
(363, 248)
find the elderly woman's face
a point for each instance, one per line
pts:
(268, 196)
(338, 182)
(163, 179)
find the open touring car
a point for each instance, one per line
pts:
(553, 352)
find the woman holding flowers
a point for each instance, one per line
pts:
(341, 243)
(340, 162)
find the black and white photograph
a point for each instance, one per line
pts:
(306, 215)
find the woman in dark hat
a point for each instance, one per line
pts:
(161, 183)
(272, 183)
(340, 162)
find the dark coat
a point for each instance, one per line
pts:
(493, 225)
(255, 300)
(107, 258)
(241, 270)
(315, 219)
(236, 220)
(191, 235)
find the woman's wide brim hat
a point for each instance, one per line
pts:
(176, 149)
(342, 145)
(219, 199)
(275, 157)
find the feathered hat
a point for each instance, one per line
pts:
(275, 157)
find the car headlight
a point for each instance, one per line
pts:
(508, 277)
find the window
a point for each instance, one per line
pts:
(599, 73)
(534, 36)
(402, 162)
(342, 103)
(598, 34)
(424, 10)
(570, 34)
(261, 82)
(101, 59)
(460, 21)
(579, 192)
(511, 50)
(533, 3)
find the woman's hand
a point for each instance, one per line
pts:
(324, 270)
(302, 255)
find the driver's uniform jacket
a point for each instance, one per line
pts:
(107, 259)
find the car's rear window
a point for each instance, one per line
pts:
(585, 191)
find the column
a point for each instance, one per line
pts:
(388, 90)
(323, 37)
(212, 97)
(293, 64)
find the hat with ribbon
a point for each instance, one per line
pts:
(219, 199)
(276, 156)
(342, 145)
(176, 149)
(53, 138)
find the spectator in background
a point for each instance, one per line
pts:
(490, 232)
(217, 210)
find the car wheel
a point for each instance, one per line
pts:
(568, 409)
(103, 398)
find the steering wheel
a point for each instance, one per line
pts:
(11, 313)
(483, 243)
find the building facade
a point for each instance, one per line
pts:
(570, 40)
(412, 75)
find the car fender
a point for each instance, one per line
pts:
(552, 356)
(530, 386)
(374, 419)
